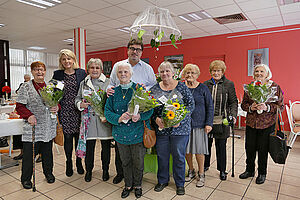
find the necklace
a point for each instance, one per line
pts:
(123, 93)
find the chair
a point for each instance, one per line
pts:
(295, 130)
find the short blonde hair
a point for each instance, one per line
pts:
(166, 64)
(70, 54)
(188, 67)
(97, 61)
(217, 64)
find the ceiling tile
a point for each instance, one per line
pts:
(128, 19)
(291, 22)
(114, 24)
(181, 8)
(20, 7)
(192, 31)
(205, 22)
(240, 29)
(263, 13)
(239, 24)
(114, 12)
(47, 14)
(269, 25)
(265, 20)
(291, 16)
(77, 22)
(96, 27)
(294, 7)
(95, 18)
(92, 5)
(257, 4)
(69, 10)
(219, 32)
(224, 10)
(163, 3)
(115, 2)
(215, 28)
(185, 26)
(135, 6)
(206, 4)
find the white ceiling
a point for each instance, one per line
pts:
(27, 26)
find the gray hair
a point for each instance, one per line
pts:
(97, 61)
(27, 75)
(269, 73)
(124, 64)
(166, 64)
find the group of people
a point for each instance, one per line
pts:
(208, 104)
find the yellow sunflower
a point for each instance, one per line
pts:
(176, 105)
(170, 114)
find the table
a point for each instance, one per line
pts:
(10, 127)
(7, 108)
(240, 114)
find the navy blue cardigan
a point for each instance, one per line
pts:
(60, 74)
(203, 113)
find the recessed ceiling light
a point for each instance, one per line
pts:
(69, 40)
(37, 48)
(195, 16)
(2, 25)
(182, 17)
(44, 4)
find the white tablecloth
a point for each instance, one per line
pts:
(7, 108)
(11, 127)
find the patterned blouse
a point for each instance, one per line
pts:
(184, 95)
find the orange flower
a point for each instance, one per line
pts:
(170, 114)
(176, 105)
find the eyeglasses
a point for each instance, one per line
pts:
(38, 69)
(139, 50)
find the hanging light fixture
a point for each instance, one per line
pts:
(158, 23)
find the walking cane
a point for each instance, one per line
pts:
(33, 157)
(231, 124)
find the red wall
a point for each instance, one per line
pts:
(282, 42)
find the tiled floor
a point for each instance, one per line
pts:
(282, 181)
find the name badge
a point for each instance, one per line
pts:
(163, 99)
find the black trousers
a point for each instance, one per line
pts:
(118, 161)
(17, 142)
(257, 140)
(90, 154)
(45, 148)
(68, 146)
(220, 153)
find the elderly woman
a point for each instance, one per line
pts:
(30, 107)
(92, 126)
(225, 104)
(69, 116)
(128, 135)
(260, 125)
(202, 121)
(171, 140)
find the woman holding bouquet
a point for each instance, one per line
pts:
(171, 140)
(30, 107)
(225, 104)
(69, 116)
(259, 124)
(93, 126)
(202, 121)
(127, 130)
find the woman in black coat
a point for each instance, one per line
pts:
(69, 117)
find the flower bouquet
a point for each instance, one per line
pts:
(97, 101)
(6, 90)
(173, 113)
(52, 94)
(261, 93)
(143, 99)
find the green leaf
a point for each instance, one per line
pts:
(141, 33)
(161, 35)
(180, 38)
(152, 43)
(173, 43)
(171, 36)
(155, 32)
(156, 44)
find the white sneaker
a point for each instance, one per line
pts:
(191, 174)
(200, 180)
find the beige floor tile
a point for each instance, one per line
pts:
(13, 169)
(117, 195)
(163, 195)
(217, 195)
(6, 179)
(291, 180)
(150, 177)
(290, 190)
(58, 170)
(210, 181)
(40, 197)
(286, 197)
(185, 197)
(21, 194)
(62, 192)
(291, 172)
(44, 187)
(10, 187)
(66, 179)
(102, 189)
(197, 192)
(81, 184)
(16, 174)
(82, 196)
(232, 187)
(269, 185)
(258, 193)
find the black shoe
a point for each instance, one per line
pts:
(159, 187)
(260, 179)
(18, 157)
(88, 176)
(138, 192)
(126, 192)
(206, 168)
(79, 167)
(118, 179)
(180, 191)
(50, 178)
(69, 168)
(39, 159)
(223, 176)
(246, 175)
(27, 185)
(105, 175)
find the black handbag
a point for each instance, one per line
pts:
(278, 148)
